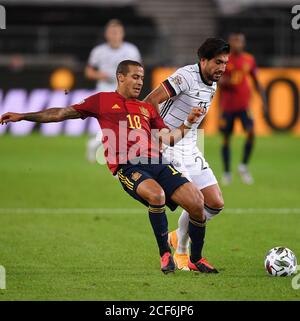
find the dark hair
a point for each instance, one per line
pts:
(213, 47)
(123, 66)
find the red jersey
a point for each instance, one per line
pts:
(126, 126)
(236, 95)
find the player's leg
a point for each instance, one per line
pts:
(93, 144)
(226, 128)
(139, 184)
(213, 201)
(180, 191)
(199, 172)
(179, 238)
(213, 205)
(191, 199)
(154, 195)
(248, 126)
(208, 184)
(179, 241)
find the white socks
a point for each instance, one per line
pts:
(182, 233)
(183, 228)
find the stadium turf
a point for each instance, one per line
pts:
(69, 232)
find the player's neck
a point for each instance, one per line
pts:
(124, 94)
(204, 77)
(116, 45)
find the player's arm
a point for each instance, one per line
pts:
(91, 70)
(172, 137)
(157, 96)
(259, 88)
(179, 82)
(89, 107)
(44, 116)
(92, 73)
(257, 85)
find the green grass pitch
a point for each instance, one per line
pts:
(69, 232)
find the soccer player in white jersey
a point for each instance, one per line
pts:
(192, 85)
(102, 65)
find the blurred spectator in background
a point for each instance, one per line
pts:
(102, 65)
(235, 99)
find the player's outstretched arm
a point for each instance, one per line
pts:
(174, 136)
(157, 96)
(44, 116)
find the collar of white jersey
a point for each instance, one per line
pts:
(202, 77)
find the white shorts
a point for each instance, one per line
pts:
(195, 168)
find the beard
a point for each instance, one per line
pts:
(216, 77)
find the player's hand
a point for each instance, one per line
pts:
(10, 118)
(195, 114)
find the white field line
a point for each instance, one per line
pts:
(137, 210)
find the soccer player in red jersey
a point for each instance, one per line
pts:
(132, 153)
(235, 98)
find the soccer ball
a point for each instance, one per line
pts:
(280, 261)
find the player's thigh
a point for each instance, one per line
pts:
(226, 123)
(140, 185)
(189, 197)
(213, 196)
(169, 178)
(204, 178)
(208, 184)
(174, 184)
(246, 120)
(177, 160)
(199, 172)
(151, 191)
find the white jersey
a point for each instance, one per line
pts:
(187, 89)
(106, 59)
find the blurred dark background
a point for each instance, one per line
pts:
(43, 35)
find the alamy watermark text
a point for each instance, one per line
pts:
(2, 17)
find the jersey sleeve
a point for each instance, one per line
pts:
(156, 121)
(178, 82)
(89, 107)
(136, 54)
(93, 60)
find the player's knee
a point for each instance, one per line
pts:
(217, 204)
(156, 197)
(198, 214)
(196, 206)
(213, 210)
